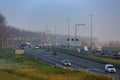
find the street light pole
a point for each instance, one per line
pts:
(68, 32)
(55, 34)
(76, 34)
(91, 32)
(48, 40)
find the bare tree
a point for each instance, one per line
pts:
(2, 19)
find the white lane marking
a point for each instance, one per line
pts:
(94, 69)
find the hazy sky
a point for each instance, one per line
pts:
(37, 15)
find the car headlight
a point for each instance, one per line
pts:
(115, 70)
(109, 70)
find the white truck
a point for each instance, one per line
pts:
(85, 48)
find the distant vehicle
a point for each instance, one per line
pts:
(66, 63)
(54, 53)
(110, 68)
(40, 47)
(102, 53)
(85, 48)
(117, 55)
(36, 47)
(94, 51)
(22, 46)
(109, 52)
(97, 48)
(27, 43)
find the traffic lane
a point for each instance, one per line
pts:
(40, 58)
(79, 67)
(43, 58)
(74, 65)
(32, 54)
(94, 66)
(55, 59)
(40, 55)
(82, 66)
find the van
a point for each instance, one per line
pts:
(85, 48)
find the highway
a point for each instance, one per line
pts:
(77, 63)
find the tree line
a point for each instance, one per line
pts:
(10, 36)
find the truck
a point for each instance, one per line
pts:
(85, 48)
(97, 48)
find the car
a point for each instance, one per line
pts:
(117, 55)
(66, 63)
(94, 51)
(54, 53)
(36, 47)
(109, 52)
(110, 68)
(102, 53)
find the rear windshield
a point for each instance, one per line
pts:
(110, 67)
(67, 61)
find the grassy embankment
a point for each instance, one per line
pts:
(20, 67)
(90, 57)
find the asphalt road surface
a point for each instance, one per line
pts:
(47, 57)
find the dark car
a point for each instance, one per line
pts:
(94, 51)
(102, 53)
(117, 55)
(54, 53)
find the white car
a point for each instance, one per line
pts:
(110, 68)
(36, 47)
(66, 63)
